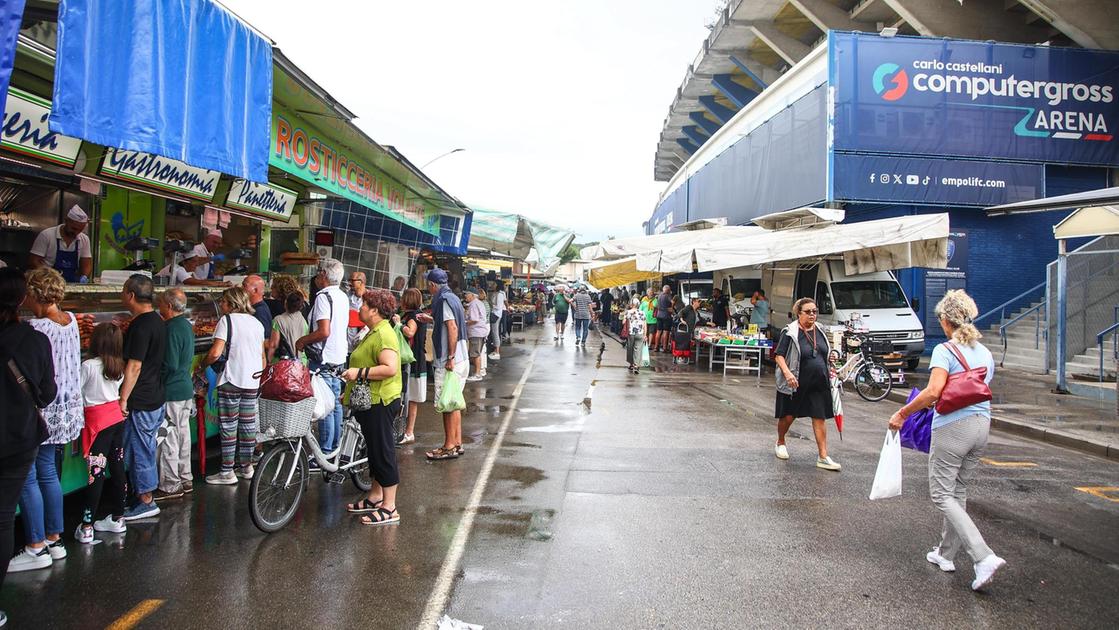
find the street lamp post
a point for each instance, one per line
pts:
(436, 159)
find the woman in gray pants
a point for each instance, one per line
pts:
(958, 438)
(634, 321)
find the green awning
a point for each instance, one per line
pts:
(520, 237)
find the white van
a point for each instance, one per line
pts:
(876, 297)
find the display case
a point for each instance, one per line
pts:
(93, 304)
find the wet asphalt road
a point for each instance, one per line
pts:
(659, 506)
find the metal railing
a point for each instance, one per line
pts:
(1115, 343)
(1002, 308)
(1037, 328)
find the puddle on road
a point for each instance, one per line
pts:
(526, 476)
(509, 444)
(535, 525)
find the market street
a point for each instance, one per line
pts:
(659, 506)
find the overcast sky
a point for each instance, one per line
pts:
(559, 105)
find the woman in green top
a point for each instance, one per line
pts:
(377, 360)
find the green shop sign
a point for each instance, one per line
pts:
(303, 151)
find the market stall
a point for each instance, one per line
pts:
(734, 351)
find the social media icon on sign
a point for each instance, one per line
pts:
(885, 178)
(912, 180)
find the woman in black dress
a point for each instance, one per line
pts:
(803, 387)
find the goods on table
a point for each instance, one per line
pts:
(299, 258)
(204, 325)
(85, 328)
(720, 336)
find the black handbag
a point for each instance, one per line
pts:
(219, 365)
(314, 351)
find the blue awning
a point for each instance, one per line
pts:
(183, 79)
(11, 15)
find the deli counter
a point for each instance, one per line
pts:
(92, 304)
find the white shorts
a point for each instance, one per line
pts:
(417, 388)
(462, 370)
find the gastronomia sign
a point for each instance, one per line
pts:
(301, 150)
(974, 99)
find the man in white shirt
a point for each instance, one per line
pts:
(497, 317)
(183, 274)
(207, 252)
(326, 343)
(65, 248)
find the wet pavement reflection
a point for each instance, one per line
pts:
(659, 504)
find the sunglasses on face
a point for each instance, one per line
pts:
(808, 312)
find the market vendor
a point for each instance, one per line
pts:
(207, 251)
(65, 247)
(184, 274)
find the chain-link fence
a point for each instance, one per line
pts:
(1092, 306)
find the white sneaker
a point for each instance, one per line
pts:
(245, 472)
(945, 564)
(474, 379)
(828, 463)
(84, 535)
(781, 452)
(57, 549)
(29, 559)
(494, 356)
(222, 478)
(108, 524)
(984, 571)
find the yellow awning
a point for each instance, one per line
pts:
(619, 273)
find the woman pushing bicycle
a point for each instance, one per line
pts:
(373, 387)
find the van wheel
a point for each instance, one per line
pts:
(912, 364)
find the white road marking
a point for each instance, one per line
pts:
(446, 579)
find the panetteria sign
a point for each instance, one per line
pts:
(160, 172)
(25, 130)
(299, 149)
(264, 200)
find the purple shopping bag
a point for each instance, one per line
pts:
(916, 432)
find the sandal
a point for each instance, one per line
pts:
(459, 449)
(364, 506)
(442, 453)
(381, 516)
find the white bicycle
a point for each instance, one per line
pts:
(872, 380)
(281, 474)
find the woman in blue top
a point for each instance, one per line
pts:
(958, 438)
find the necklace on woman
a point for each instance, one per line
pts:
(812, 333)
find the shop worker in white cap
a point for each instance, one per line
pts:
(65, 247)
(207, 251)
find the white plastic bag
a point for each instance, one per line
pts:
(887, 479)
(324, 397)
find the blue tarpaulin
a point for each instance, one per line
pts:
(179, 78)
(11, 15)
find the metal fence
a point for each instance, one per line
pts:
(1092, 305)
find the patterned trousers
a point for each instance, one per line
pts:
(237, 410)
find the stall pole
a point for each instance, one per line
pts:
(200, 421)
(1062, 308)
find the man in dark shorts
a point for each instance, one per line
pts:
(664, 319)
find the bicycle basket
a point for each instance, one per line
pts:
(279, 419)
(877, 347)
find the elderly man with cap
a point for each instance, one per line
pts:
(448, 336)
(207, 252)
(65, 247)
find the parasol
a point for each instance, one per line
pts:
(837, 402)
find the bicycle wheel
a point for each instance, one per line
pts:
(873, 382)
(359, 474)
(273, 500)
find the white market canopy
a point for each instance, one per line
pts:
(882, 245)
(866, 246)
(537, 243)
(626, 247)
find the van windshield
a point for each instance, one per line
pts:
(868, 294)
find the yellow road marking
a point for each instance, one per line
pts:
(1102, 492)
(995, 462)
(133, 617)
